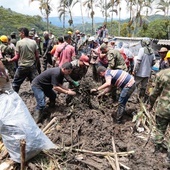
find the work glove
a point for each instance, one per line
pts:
(76, 83)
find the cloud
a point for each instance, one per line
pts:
(24, 7)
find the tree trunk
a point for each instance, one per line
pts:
(82, 16)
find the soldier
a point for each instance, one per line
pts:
(115, 59)
(6, 52)
(160, 99)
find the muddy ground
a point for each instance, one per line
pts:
(86, 124)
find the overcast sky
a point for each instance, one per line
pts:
(23, 6)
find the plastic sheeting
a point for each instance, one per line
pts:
(16, 123)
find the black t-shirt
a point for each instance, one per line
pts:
(49, 78)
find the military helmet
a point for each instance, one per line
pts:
(4, 38)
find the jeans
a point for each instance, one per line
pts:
(40, 97)
(125, 94)
(40, 94)
(21, 74)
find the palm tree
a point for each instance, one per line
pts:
(163, 6)
(45, 9)
(66, 8)
(136, 8)
(90, 8)
(113, 8)
(81, 9)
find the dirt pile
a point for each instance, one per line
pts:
(86, 127)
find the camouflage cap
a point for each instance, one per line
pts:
(103, 47)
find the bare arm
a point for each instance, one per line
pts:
(62, 89)
(15, 58)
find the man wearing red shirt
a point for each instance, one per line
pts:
(65, 52)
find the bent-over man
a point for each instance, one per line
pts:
(118, 78)
(47, 84)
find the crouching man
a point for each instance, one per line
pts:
(47, 84)
(118, 78)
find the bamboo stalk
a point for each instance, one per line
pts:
(97, 153)
(124, 166)
(116, 158)
(71, 134)
(111, 162)
(22, 151)
(49, 124)
(104, 153)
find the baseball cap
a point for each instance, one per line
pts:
(103, 47)
(84, 59)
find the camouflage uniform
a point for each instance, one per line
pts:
(8, 52)
(115, 60)
(160, 98)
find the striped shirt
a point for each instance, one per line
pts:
(120, 78)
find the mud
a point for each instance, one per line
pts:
(86, 123)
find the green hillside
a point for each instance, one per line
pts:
(11, 21)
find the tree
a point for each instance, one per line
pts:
(66, 8)
(156, 29)
(81, 8)
(89, 4)
(45, 9)
(163, 6)
(137, 8)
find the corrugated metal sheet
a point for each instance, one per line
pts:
(164, 42)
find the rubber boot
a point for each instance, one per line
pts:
(51, 103)
(168, 158)
(16, 88)
(142, 93)
(119, 114)
(158, 148)
(38, 115)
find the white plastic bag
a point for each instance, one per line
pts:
(16, 123)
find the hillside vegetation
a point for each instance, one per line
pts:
(155, 26)
(11, 21)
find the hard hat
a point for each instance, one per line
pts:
(91, 38)
(4, 38)
(168, 54)
(69, 32)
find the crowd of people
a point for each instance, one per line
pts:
(68, 58)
